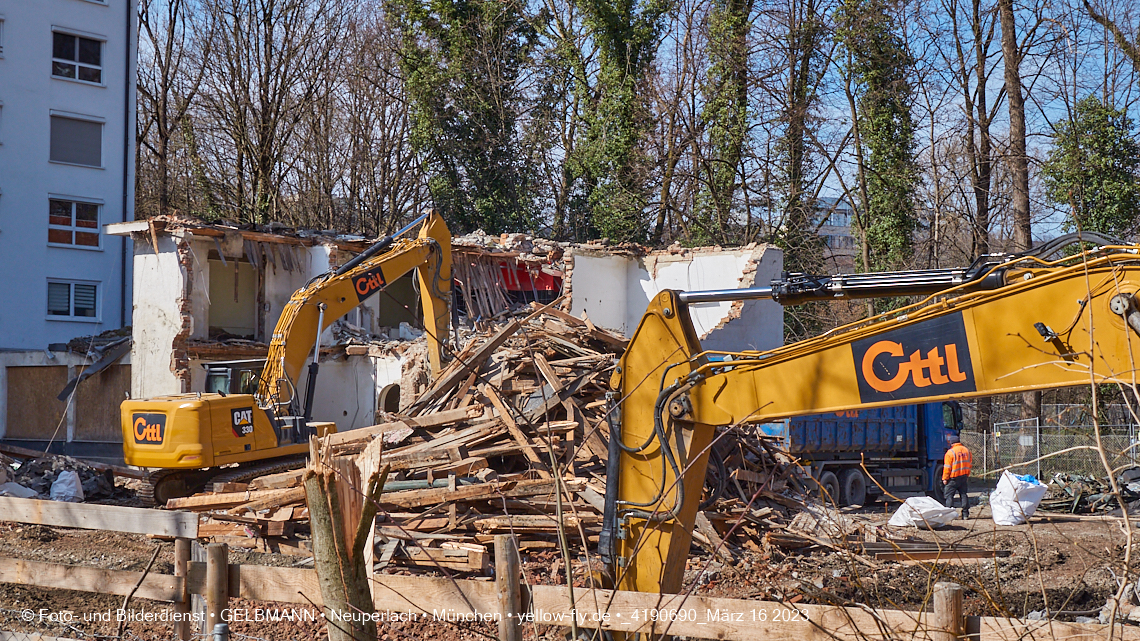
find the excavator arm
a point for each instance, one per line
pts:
(1018, 323)
(330, 296)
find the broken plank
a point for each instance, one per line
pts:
(472, 363)
(286, 497)
(482, 491)
(464, 560)
(99, 517)
(204, 502)
(462, 466)
(533, 522)
(504, 413)
(435, 419)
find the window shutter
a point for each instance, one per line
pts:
(79, 142)
(85, 300)
(59, 299)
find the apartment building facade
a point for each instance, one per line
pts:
(67, 110)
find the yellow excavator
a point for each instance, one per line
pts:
(252, 414)
(1009, 323)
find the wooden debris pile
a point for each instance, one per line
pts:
(512, 436)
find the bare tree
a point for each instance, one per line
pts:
(174, 39)
(265, 71)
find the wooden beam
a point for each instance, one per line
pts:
(159, 587)
(99, 517)
(504, 412)
(477, 492)
(205, 502)
(714, 618)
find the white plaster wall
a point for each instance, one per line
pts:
(615, 290)
(346, 392)
(599, 287)
(760, 325)
(156, 320)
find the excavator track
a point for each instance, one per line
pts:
(243, 474)
(163, 485)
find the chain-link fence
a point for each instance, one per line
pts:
(1028, 448)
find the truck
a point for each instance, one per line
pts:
(901, 448)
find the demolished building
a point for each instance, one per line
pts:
(209, 292)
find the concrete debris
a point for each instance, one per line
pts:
(39, 474)
(17, 490)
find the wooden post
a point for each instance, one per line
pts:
(217, 583)
(949, 623)
(182, 609)
(507, 587)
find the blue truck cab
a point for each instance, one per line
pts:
(856, 455)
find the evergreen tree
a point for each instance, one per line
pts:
(879, 68)
(461, 61)
(1092, 168)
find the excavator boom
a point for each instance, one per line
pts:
(330, 296)
(1025, 323)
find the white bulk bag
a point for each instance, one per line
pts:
(923, 511)
(1016, 498)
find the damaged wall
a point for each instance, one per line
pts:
(157, 317)
(614, 289)
(193, 287)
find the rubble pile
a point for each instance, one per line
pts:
(32, 477)
(1086, 494)
(512, 436)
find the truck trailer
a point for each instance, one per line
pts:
(856, 455)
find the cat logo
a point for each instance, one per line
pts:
(148, 428)
(368, 283)
(242, 421)
(927, 359)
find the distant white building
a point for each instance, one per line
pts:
(67, 97)
(67, 128)
(834, 220)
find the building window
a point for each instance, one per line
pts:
(73, 223)
(1, 36)
(72, 300)
(76, 142)
(76, 57)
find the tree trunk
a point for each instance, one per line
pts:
(1019, 160)
(342, 508)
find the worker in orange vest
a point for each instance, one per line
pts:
(956, 473)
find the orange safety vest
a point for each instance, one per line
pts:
(957, 463)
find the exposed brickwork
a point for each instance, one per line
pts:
(179, 348)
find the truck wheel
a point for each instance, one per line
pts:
(936, 493)
(828, 487)
(854, 488)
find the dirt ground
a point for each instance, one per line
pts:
(1057, 562)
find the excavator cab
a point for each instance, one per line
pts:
(233, 377)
